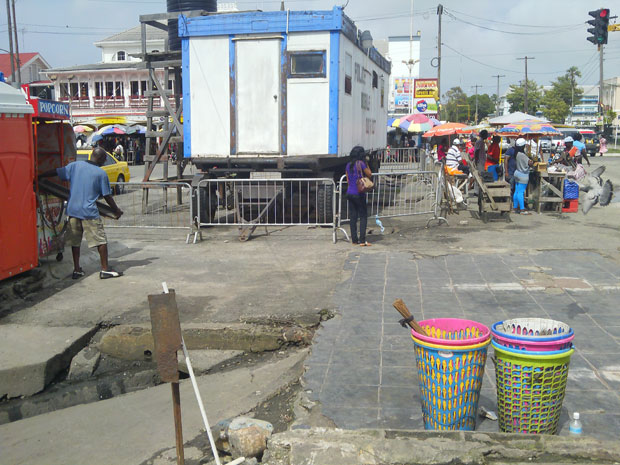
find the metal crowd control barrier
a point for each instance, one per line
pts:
(152, 205)
(403, 159)
(249, 203)
(397, 194)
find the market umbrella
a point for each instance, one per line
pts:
(404, 121)
(446, 129)
(80, 129)
(416, 127)
(517, 116)
(114, 129)
(533, 128)
(137, 129)
(390, 121)
(434, 121)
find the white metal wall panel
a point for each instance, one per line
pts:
(258, 95)
(362, 119)
(210, 96)
(308, 101)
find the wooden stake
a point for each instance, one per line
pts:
(178, 427)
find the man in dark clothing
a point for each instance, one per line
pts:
(480, 151)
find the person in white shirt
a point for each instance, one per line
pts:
(454, 159)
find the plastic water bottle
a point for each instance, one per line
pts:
(575, 425)
(379, 223)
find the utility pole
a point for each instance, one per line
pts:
(411, 60)
(439, 13)
(497, 104)
(600, 87)
(476, 117)
(19, 65)
(10, 26)
(525, 92)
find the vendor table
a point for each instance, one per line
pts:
(552, 184)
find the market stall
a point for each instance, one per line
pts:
(54, 147)
(545, 188)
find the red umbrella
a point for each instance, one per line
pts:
(447, 129)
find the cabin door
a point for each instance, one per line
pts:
(258, 96)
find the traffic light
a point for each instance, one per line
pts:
(600, 23)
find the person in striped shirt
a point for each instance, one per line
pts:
(454, 160)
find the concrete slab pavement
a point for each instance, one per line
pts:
(23, 371)
(136, 427)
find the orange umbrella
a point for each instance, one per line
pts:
(447, 129)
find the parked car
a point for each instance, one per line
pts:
(117, 171)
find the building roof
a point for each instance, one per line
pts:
(24, 59)
(96, 67)
(134, 35)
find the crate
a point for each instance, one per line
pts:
(570, 206)
(571, 190)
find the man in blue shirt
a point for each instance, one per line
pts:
(581, 147)
(88, 183)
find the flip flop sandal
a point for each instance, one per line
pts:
(365, 244)
(110, 274)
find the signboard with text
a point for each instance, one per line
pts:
(425, 88)
(402, 92)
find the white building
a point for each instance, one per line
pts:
(112, 91)
(404, 53)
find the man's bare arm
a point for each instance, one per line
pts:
(110, 201)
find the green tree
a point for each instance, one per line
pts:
(565, 87)
(554, 108)
(486, 106)
(516, 99)
(455, 105)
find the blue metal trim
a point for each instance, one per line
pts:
(334, 88)
(187, 113)
(261, 22)
(283, 95)
(232, 53)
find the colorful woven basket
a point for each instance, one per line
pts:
(450, 382)
(453, 331)
(444, 347)
(530, 390)
(533, 345)
(540, 329)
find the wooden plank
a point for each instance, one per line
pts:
(501, 207)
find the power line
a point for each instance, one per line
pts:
(518, 25)
(548, 31)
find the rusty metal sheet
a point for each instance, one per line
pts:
(166, 334)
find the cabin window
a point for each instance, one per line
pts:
(121, 55)
(84, 90)
(348, 73)
(64, 90)
(109, 89)
(307, 64)
(382, 91)
(118, 89)
(98, 89)
(74, 90)
(375, 79)
(142, 88)
(134, 88)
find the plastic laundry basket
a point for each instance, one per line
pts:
(527, 344)
(453, 331)
(541, 329)
(450, 382)
(530, 390)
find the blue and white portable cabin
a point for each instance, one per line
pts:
(288, 85)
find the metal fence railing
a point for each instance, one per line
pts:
(396, 194)
(249, 203)
(153, 205)
(403, 159)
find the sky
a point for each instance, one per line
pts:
(481, 38)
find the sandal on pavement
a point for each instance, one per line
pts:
(525, 212)
(107, 274)
(365, 244)
(77, 274)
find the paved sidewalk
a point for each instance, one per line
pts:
(362, 367)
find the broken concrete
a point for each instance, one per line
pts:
(24, 371)
(84, 364)
(323, 446)
(137, 427)
(204, 360)
(242, 436)
(135, 342)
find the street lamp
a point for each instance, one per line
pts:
(410, 64)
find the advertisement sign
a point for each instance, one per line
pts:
(427, 106)
(402, 92)
(425, 88)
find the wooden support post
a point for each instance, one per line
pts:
(178, 426)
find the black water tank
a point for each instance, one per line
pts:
(174, 43)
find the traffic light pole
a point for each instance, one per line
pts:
(600, 87)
